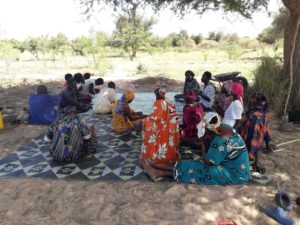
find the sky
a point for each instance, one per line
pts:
(22, 18)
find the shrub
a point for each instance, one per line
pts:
(248, 43)
(208, 44)
(141, 68)
(234, 51)
(269, 79)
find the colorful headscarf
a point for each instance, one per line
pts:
(190, 95)
(258, 101)
(159, 92)
(207, 123)
(128, 96)
(238, 90)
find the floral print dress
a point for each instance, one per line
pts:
(161, 134)
(229, 164)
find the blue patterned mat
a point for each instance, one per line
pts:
(116, 157)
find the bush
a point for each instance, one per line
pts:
(208, 44)
(249, 43)
(234, 51)
(269, 80)
(141, 68)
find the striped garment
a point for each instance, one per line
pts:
(67, 135)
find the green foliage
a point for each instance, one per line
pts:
(180, 40)
(18, 45)
(141, 68)
(197, 38)
(270, 80)
(82, 45)
(37, 45)
(242, 7)
(276, 30)
(208, 44)
(215, 36)
(58, 44)
(248, 43)
(8, 54)
(231, 38)
(234, 51)
(133, 33)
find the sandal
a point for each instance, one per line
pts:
(284, 200)
(279, 215)
(259, 169)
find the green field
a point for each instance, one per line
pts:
(114, 64)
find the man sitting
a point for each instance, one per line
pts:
(207, 95)
(41, 106)
(68, 76)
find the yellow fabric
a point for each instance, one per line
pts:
(120, 123)
(1, 121)
(129, 95)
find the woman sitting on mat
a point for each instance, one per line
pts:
(227, 160)
(255, 128)
(104, 101)
(69, 136)
(192, 115)
(161, 131)
(125, 118)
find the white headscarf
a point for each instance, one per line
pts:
(206, 123)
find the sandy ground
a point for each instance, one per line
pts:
(33, 201)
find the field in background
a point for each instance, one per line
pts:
(114, 65)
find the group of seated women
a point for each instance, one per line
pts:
(226, 140)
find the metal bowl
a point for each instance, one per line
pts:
(226, 76)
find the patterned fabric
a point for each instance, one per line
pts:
(192, 115)
(67, 134)
(230, 164)
(104, 101)
(225, 100)
(210, 91)
(256, 127)
(120, 121)
(161, 134)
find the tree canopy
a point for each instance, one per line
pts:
(276, 30)
(242, 7)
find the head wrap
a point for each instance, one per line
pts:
(258, 101)
(128, 95)
(190, 95)
(207, 123)
(238, 90)
(227, 86)
(159, 92)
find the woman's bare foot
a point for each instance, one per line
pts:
(152, 172)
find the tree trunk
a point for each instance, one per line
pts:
(292, 56)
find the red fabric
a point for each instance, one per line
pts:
(192, 115)
(238, 89)
(190, 95)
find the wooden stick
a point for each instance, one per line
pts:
(288, 142)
